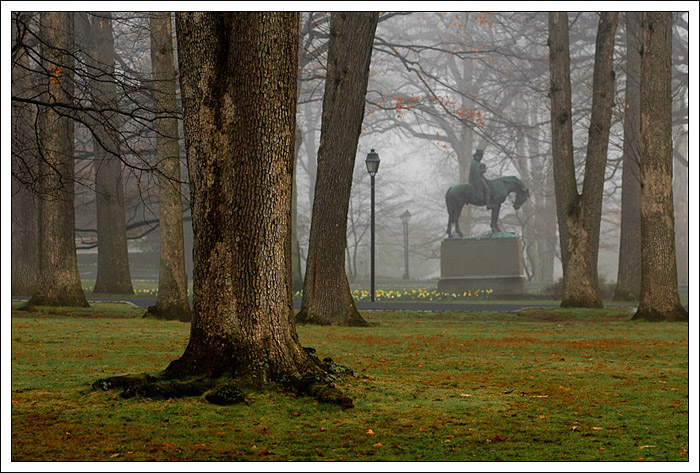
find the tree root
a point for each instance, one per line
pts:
(145, 385)
(223, 391)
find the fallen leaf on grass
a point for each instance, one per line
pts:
(265, 451)
(647, 446)
(115, 455)
(370, 432)
(377, 445)
(597, 428)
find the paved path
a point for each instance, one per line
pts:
(383, 305)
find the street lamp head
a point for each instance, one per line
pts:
(372, 162)
(405, 216)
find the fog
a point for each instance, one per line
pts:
(442, 85)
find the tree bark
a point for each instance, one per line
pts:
(546, 216)
(25, 223)
(59, 279)
(172, 302)
(297, 278)
(238, 82)
(659, 298)
(327, 298)
(630, 258)
(113, 275)
(680, 195)
(579, 215)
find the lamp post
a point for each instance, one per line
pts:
(372, 163)
(404, 219)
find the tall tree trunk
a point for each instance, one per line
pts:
(547, 230)
(297, 278)
(309, 143)
(327, 298)
(579, 215)
(680, 205)
(113, 276)
(630, 258)
(238, 80)
(659, 298)
(59, 279)
(25, 223)
(546, 216)
(172, 302)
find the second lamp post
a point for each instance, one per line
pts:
(372, 163)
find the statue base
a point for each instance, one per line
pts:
(491, 262)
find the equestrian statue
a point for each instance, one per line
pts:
(482, 192)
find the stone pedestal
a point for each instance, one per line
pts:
(489, 262)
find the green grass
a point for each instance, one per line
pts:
(543, 385)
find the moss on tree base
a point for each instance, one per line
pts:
(678, 314)
(223, 391)
(182, 314)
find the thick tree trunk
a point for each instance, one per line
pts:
(59, 279)
(172, 302)
(659, 298)
(327, 298)
(238, 80)
(113, 275)
(630, 258)
(579, 215)
(25, 223)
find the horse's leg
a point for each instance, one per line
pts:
(494, 218)
(456, 220)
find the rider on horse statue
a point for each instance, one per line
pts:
(478, 180)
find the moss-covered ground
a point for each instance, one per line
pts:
(540, 385)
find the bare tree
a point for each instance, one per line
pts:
(327, 298)
(579, 214)
(172, 302)
(629, 273)
(59, 280)
(238, 79)
(25, 223)
(113, 275)
(659, 298)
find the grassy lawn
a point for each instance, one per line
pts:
(542, 385)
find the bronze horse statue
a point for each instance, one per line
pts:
(462, 194)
